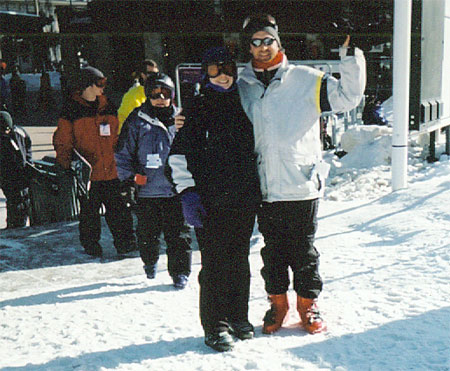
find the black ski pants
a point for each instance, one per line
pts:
(156, 215)
(17, 206)
(224, 243)
(289, 229)
(119, 222)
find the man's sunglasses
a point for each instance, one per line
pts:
(163, 93)
(258, 42)
(215, 69)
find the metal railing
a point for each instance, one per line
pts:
(190, 74)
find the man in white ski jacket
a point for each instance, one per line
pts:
(284, 103)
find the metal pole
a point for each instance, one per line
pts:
(36, 5)
(447, 140)
(402, 52)
(177, 85)
(432, 156)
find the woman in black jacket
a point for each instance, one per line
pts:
(214, 169)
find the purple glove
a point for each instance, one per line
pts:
(193, 210)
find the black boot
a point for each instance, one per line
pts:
(150, 271)
(180, 281)
(219, 338)
(243, 330)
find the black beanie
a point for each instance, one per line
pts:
(6, 121)
(90, 75)
(261, 22)
(218, 54)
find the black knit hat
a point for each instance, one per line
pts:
(6, 121)
(261, 22)
(89, 76)
(217, 54)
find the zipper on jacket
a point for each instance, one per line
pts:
(267, 87)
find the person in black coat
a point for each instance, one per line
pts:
(15, 152)
(214, 169)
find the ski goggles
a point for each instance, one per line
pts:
(161, 93)
(101, 83)
(258, 42)
(215, 69)
(151, 74)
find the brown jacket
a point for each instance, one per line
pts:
(79, 128)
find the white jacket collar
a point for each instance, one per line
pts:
(154, 120)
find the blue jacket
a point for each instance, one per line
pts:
(143, 148)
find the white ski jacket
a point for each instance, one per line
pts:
(285, 119)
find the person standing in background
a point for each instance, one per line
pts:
(46, 100)
(18, 89)
(89, 124)
(3, 87)
(135, 96)
(15, 153)
(141, 155)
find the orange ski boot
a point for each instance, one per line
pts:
(274, 317)
(310, 315)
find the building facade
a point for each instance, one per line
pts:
(116, 34)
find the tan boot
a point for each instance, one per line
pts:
(274, 317)
(310, 315)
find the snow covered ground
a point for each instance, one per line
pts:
(33, 80)
(385, 260)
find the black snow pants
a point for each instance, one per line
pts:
(119, 222)
(289, 229)
(224, 243)
(156, 215)
(17, 206)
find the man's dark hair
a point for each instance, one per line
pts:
(89, 76)
(261, 22)
(145, 63)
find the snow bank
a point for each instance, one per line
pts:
(33, 80)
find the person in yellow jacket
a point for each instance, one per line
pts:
(135, 96)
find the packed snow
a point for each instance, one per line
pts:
(33, 80)
(385, 260)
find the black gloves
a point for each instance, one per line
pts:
(128, 192)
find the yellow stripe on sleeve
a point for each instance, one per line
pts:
(318, 85)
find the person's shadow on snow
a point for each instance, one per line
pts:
(86, 292)
(110, 359)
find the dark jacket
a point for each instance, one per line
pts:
(15, 152)
(143, 148)
(79, 128)
(214, 151)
